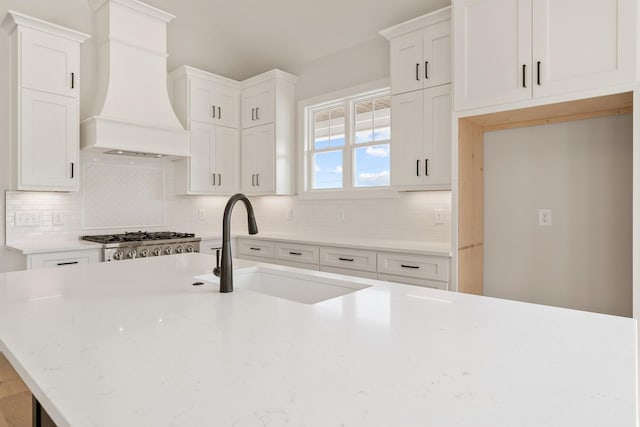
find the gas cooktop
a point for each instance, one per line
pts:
(138, 236)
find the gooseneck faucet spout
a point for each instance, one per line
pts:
(225, 271)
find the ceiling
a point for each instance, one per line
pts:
(241, 38)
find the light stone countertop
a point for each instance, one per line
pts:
(30, 248)
(133, 343)
(372, 244)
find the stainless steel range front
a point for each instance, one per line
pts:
(141, 244)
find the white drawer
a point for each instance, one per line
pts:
(297, 253)
(348, 272)
(256, 248)
(418, 266)
(354, 259)
(412, 281)
(60, 259)
(210, 246)
(295, 264)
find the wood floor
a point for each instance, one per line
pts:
(15, 398)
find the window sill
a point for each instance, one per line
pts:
(387, 193)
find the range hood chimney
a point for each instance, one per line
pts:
(132, 114)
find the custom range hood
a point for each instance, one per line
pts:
(132, 114)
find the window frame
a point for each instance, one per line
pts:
(347, 98)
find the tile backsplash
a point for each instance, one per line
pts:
(409, 216)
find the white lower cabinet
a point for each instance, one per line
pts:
(61, 259)
(210, 246)
(413, 281)
(421, 270)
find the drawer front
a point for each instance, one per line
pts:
(348, 272)
(210, 246)
(256, 248)
(298, 253)
(61, 259)
(295, 264)
(412, 281)
(354, 259)
(418, 266)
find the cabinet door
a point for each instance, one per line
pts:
(201, 101)
(437, 135)
(266, 159)
(248, 160)
(582, 44)
(437, 54)
(492, 52)
(49, 63)
(48, 151)
(202, 151)
(226, 102)
(258, 103)
(226, 160)
(406, 63)
(407, 167)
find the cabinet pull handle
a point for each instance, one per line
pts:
(426, 69)
(426, 167)
(346, 259)
(417, 167)
(219, 179)
(295, 253)
(418, 71)
(73, 80)
(73, 172)
(219, 113)
(538, 73)
(68, 263)
(409, 266)
(257, 180)
(524, 75)
(254, 249)
(213, 111)
(257, 113)
(213, 179)
(253, 111)
(253, 180)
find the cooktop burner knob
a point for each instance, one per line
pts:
(189, 249)
(144, 253)
(131, 254)
(157, 252)
(179, 249)
(168, 251)
(118, 255)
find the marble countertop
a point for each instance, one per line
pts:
(134, 343)
(405, 246)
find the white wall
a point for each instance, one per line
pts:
(582, 171)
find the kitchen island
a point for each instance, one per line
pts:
(135, 343)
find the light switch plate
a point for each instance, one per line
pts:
(201, 214)
(438, 216)
(27, 219)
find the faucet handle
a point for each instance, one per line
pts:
(216, 271)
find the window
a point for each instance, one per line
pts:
(348, 143)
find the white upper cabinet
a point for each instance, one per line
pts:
(45, 99)
(207, 105)
(50, 63)
(268, 137)
(258, 104)
(420, 52)
(213, 103)
(421, 149)
(512, 50)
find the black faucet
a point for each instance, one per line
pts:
(225, 269)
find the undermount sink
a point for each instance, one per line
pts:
(307, 287)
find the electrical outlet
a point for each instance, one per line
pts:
(438, 216)
(27, 219)
(340, 214)
(544, 217)
(290, 214)
(58, 218)
(202, 214)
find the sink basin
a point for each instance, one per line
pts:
(307, 287)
